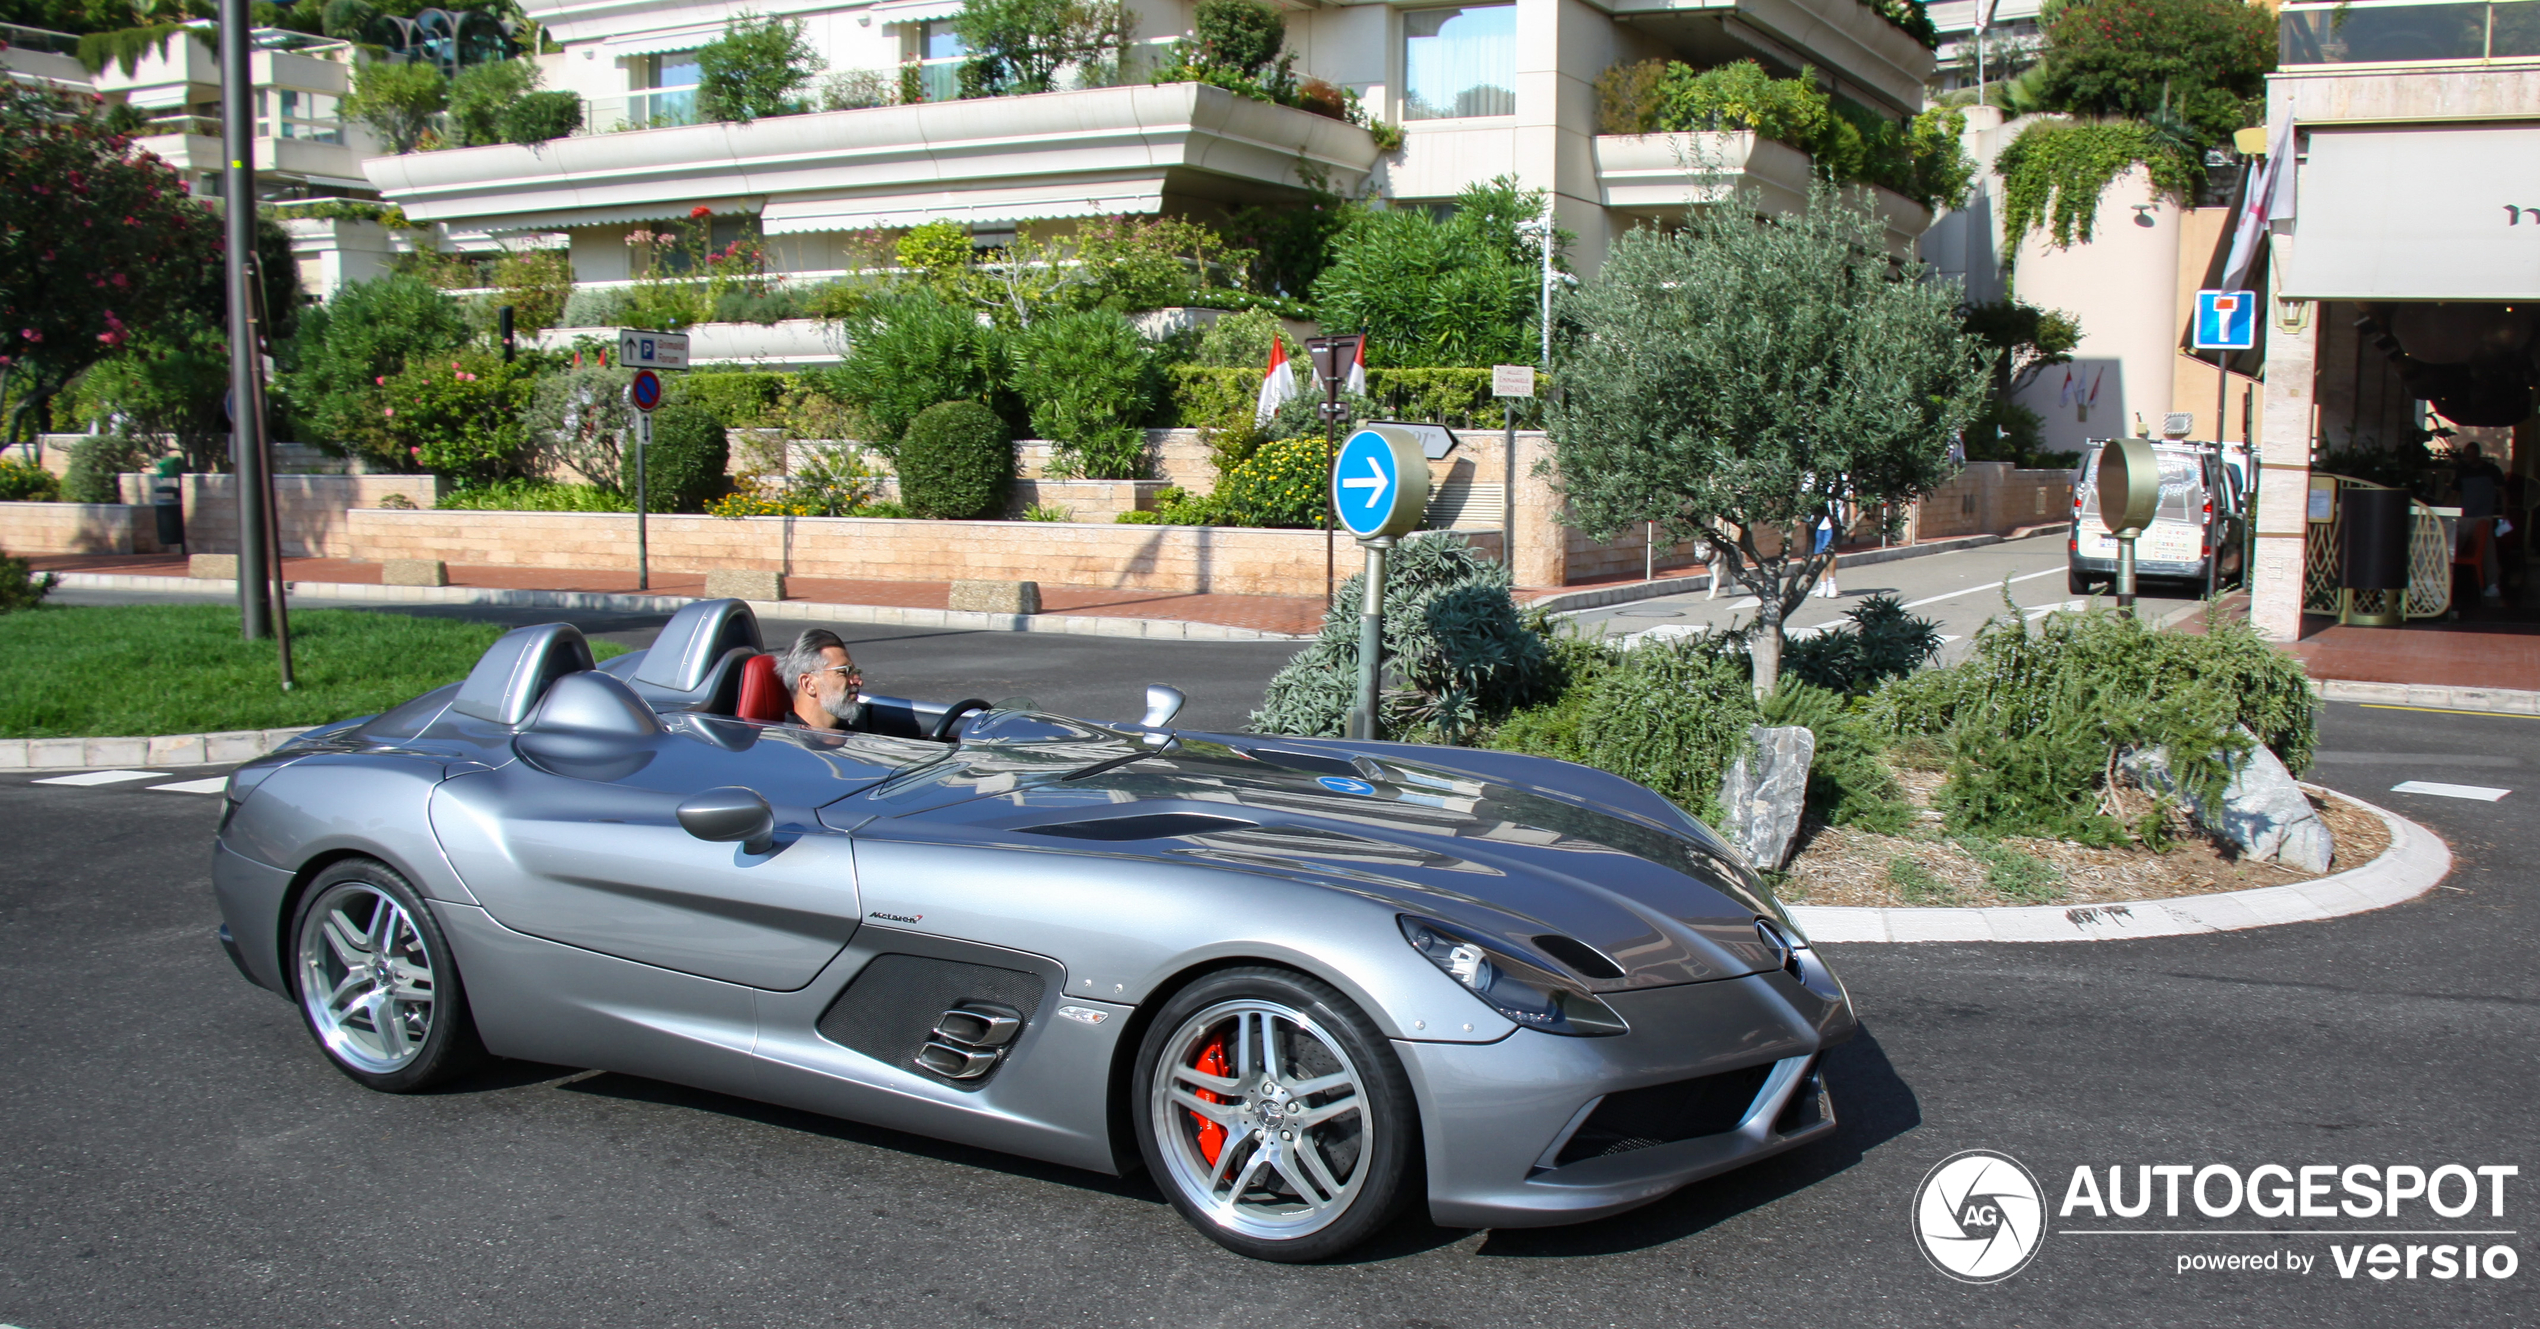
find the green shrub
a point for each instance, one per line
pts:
(1282, 484)
(1176, 506)
(1243, 340)
(23, 483)
(1457, 655)
(97, 460)
(540, 117)
(1464, 290)
(740, 399)
(684, 468)
(535, 496)
(484, 93)
(1089, 381)
(1668, 714)
(1915, 882)
(332, 382)
(756, 68)
(21, 587)
(955, 462)
(909, 352)
(2033, 718)
(461, 417)
(1880, 640)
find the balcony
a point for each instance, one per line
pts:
(2408, 32)
(1090, 153)
(1873, 61)
(1657, 176)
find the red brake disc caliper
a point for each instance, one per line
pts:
(1212, 1061)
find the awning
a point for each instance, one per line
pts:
(2425, 212)
(968, 206)
(567, 220)
(686, 38)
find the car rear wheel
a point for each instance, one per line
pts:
(375, 981)
(1275, 1116)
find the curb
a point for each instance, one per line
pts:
(52, 754)
(2502, 701)
(1571, 602)
(2416, 860)
(1080, 625)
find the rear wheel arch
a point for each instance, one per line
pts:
(301, 879)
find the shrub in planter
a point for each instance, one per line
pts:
(21, 483)
(96, 462)
(460, 417)
(1282, 484)
(1668, 714)
(1881, 640)
(955, 461)
(684, 469)
(1457, 653)
(908, 353)
(1090, 381)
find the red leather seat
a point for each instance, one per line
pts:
(762, 694)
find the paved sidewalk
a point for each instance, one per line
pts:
(2486, 660)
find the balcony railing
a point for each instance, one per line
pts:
(660, 108)
(2409, 32)
(39, 39)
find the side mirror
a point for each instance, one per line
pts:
(1163, 703)
(730, 813)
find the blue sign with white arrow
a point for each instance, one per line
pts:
(1381, 484)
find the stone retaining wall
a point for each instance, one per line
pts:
(1994, 498)
(77, 528)
(312, 508)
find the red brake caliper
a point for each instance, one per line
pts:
(1212, 1061)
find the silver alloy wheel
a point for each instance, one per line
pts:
(1291, 1107)
(366, 978)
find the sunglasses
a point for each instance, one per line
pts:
(850, 671)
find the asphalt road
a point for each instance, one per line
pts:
(1957, 590)
(179, 1154)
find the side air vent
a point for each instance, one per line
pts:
(1156, 826)
(1583, 959)
(950, 1021)
(1666, 1113)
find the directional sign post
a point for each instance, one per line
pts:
(1509, 383)
(644, 394)
(2225, 321)
(1380, 489)
(638, 348)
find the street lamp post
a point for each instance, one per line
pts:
(238, 206)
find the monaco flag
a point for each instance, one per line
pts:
(1278, 383)
(1356, 383)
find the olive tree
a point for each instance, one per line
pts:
(1740, 378)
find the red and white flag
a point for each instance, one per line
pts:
(1356, 383)
(1278, 383)
(2096, 380)
(2065, 398)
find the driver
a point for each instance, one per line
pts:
(827, 687)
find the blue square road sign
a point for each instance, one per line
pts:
(2226, 320)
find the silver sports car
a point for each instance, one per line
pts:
(1302, 982)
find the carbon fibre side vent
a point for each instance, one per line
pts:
(949, 1021)
(1154, 826)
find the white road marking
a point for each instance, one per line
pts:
(100, 777)
(2480, 792)
(211, 786)
(1987, 586)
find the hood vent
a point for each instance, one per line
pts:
(1155, 826)
(1312, 763)
(1584, 960)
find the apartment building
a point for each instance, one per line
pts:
(1479, 90)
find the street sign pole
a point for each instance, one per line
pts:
(238, 206)
(1380, 489)
(2129, 497)
(1509, 383)
(643, 554)
(2226, 321)
(1331, 358)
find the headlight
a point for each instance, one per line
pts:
(1522, 990)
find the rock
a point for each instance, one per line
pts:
(744, 584)
(1765, 792)
(997, 597)
(2264, 814)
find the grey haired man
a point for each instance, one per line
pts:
(826, 687)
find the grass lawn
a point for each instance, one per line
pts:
(181, 669)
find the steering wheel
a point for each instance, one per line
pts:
(943, 731)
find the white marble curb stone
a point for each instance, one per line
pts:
(2416, 860)
(1080, 625)
(53, 754)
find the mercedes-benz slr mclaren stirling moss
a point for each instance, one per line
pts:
(1303, 982)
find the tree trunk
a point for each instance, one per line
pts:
(1765, 647)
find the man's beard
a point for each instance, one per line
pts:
(845, 707)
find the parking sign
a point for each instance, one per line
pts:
(2226, 320)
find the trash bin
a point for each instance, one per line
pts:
(2372, 558)
(168, 505)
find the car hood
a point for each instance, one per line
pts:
(1515, 860)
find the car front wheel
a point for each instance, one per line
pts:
(375, 981)
(1276, 1117)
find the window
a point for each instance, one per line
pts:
(939, 56)
(1459, 62)
(304, 115)
(665, 90)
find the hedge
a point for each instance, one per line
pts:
(741, 399)
(1219, 398)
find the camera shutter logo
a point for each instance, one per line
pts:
(1978, 1216)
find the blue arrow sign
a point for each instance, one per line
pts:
(2226, 320)
(1364, 482)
